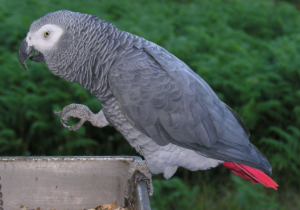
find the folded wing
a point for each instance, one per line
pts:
(164, 99)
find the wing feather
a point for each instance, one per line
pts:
(167, 101)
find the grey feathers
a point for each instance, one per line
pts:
(168, 102)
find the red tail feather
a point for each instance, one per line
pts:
(253, 174)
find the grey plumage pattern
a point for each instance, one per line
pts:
(164, 109)
(167, 101)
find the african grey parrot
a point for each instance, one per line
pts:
(167, 112)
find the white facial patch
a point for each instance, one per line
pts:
(45, 38)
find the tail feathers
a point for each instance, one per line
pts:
(255, 175)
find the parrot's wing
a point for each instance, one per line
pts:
(164, 99)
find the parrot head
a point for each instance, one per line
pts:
(48, 36)
(65, 41)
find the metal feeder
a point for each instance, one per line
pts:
(66, 183)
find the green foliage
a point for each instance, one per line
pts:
(248, 51)
(286, 151)
(178, 195)
(175, 190)
(247, 196)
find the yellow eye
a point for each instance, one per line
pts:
(47, 33)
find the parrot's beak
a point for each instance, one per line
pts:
(24, 53)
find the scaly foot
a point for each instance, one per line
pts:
(83, 113)
(132, 180)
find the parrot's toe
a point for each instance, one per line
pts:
(77, 111)
(57, 113)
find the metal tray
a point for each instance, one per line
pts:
(66, 183)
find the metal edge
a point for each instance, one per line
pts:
(142, 197)
(1, 199)
(68, 158)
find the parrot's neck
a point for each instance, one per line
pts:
(101, 47)
(89, 61)
(93, 74)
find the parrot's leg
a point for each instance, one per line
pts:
(138, 172)
(84, 114)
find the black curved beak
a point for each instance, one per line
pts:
(24, 53)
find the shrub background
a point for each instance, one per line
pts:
(248, 51)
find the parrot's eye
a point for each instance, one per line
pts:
(47, 33)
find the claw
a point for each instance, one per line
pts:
(64, 122)
(57, 113)
(138, 166)
(70, 128)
